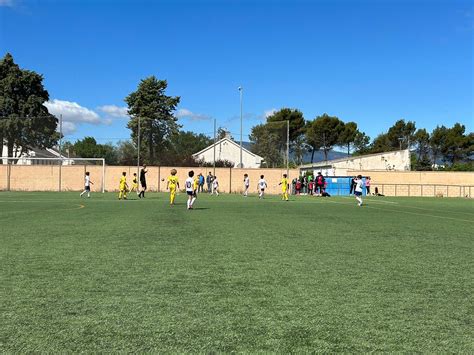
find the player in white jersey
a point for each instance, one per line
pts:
(358, 189)
(262, 184)
(246, 184)
(215, 186)
(87, 185)
(190, 189)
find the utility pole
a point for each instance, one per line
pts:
(60, 149)
(288, 149)
(214, 171)
(138, 147)
(241, 92)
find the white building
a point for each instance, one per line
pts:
(42, 157)
(398, 160)
(227, 149)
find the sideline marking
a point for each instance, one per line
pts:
(408, 212)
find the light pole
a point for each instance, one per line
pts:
(138, 146)
(241, 92)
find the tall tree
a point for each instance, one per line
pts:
(89, 148)
(154, 109)
(296, 118)
(456, 144)
(265, 142)
(324, 133)
(437, 142)
(348, 135)
(401, 134)
(361, 143)
(24, 121)
(422, 142)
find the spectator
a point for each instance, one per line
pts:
(304, 185)
(293, 186)
(367, 185)
(311, 187)
(352, 184)
(320, 183)
(298, 187)
(200, 183)
(209, 183)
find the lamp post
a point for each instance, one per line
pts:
(138, 146)
(241, 92)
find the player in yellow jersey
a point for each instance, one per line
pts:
(134, 184)
(172, 185)
(284, 187)
(123, 188)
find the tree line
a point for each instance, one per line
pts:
(443, 148)
(25, 123)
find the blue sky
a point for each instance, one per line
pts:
(371, 62)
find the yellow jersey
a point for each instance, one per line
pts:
(172, 181)
(195, 184)
(284, 184)
(123, 181)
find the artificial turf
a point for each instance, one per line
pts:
(235, 274)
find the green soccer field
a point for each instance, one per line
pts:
(235, 274)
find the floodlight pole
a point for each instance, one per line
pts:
(214, 161)
(288, 148)
(60, 148)
(138, 146)
(241, 93)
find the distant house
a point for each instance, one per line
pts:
(227, 149)
(38, 153)
(398, 160)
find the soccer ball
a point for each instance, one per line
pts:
(163, 179)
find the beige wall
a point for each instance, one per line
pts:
(46, 178)
(421, 183)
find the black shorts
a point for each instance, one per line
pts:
(191, 193)
(87, 188)
(143, 183)
(357, 193)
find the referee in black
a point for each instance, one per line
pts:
(143, 172)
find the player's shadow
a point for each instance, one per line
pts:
(200, 208)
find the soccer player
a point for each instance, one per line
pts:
(358, 189)
(190, 189)
(123, 186)
(172, 184)
(135, 184)
(284, 187)
(87, 185)
(143, 172)
(262, 184)
(246, 184)
(215, 186)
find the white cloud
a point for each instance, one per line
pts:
(114, 111)
(72, 112)
(7, 3)
(185, 113)
(68, 128)
(270, 112)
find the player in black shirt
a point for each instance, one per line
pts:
(143, 172)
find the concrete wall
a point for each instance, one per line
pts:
(421, 183)
(387, 161)
(46, 178)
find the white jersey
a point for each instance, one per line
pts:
(189, 184)
(215, 183)
(262, 184)
(87, 181)
(247, 182)
(359, 184)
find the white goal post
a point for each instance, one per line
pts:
(10, 162)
